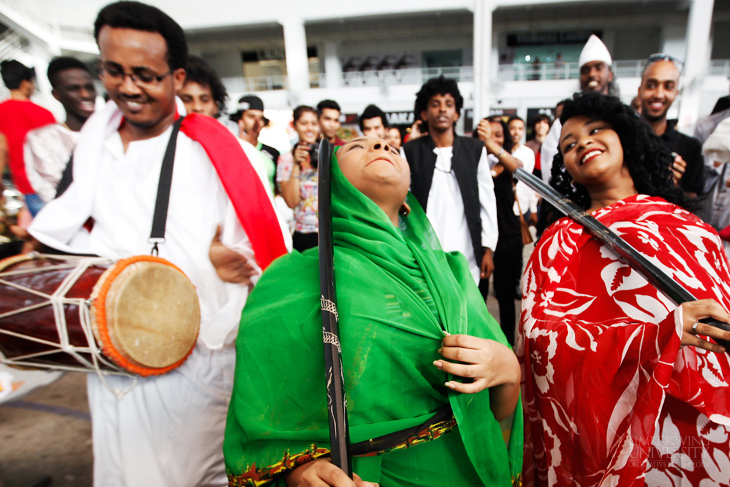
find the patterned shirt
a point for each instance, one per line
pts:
(305, 214)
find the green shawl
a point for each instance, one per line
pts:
(397, 291)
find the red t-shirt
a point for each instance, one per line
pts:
(17, 118)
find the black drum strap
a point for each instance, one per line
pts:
(157, 236)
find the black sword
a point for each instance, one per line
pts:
(336, 400)
(671, 288)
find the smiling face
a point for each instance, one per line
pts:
(307, 127)
(441, 113)
(594, 77)
(76, 92)
(377, 170)
(659, 88)
(497, 133)
(148, 107)
(594, 157)
(198, 99)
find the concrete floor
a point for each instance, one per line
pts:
(47, 433)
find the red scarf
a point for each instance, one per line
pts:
(242, 185)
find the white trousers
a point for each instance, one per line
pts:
(168, 430)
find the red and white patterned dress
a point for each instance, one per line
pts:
(610, 398)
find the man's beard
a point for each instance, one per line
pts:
(654, 118)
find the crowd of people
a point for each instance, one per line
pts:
(602, 380)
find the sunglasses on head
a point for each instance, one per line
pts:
(654, 58)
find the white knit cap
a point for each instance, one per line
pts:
(594, 50)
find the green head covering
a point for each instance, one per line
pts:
(397, 292)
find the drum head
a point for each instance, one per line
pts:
(147, 315)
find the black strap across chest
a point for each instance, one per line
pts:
(162, 203)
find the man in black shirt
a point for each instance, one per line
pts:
(658, 90)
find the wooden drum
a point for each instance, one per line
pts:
(138, 316)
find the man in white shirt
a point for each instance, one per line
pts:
(165, 430)
(526, 196)
(451, 180)
(596, 76)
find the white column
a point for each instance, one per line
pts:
(297, 65)
(482, 56)
(332, 65)
(697, 61)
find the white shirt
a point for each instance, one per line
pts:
(445, 208)
(549, 148)
(526, 196)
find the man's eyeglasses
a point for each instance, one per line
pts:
(655, 58)
(140, 77)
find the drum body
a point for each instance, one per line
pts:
(139, 315)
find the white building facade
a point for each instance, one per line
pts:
(504, 53)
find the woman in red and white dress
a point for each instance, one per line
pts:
(620, 385)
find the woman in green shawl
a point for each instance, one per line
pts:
(418, 350)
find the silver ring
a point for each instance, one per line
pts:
(694, 327)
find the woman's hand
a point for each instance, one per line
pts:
(484, 130)
(488, 362)
(301, 154)
(694, 311)
(321, 473)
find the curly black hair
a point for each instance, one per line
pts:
(198, 71)
(431, 88)
(648, 161)
(139, 16)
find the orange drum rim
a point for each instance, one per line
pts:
(102, 325)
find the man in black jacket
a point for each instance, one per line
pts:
(450, 178)
(658, 90)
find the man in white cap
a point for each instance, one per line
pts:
(596, 76)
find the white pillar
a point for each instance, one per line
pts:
(482, 56)
(297, 65)
(697, 61)
(332, 65)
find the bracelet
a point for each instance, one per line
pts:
(500, 153)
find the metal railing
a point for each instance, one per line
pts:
(720, 67)
(261, 83)
(417, 76)
(407, 76)
(621, 69)
(552, 71)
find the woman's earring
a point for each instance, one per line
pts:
(405, 210)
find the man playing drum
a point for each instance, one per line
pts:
(165, 430)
